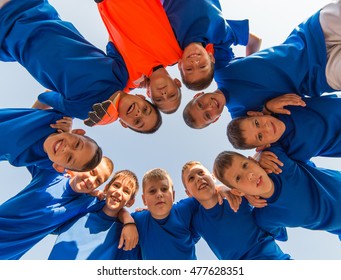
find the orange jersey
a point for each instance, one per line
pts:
(142, 34)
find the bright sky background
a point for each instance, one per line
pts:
(175, 143)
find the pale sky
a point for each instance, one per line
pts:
(175, 143)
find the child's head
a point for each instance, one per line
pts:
(197, 66)
(86, 182)
(158, 193)
(243, 175)
(254, 132)
(204, 109)
(198, 181)
(72, 150)
(164, 91)
(138, 114)
(121, 190)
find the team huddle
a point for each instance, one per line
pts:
(275, 96)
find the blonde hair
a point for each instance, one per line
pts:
(156, 174)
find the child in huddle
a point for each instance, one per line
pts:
(47, 202)
(164, 230)
(303, 195)
(29, 139)
(218, 223)
(96, 235)
(146, 53)
(290, 131)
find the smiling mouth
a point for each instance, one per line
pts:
(193, 55)
(202, 186)
(215, 102)
(259, 181)
(131, 108)
(160, 203)
(57, 145)
(273, 128)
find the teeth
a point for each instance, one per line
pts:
(57, 146)
(131, 108)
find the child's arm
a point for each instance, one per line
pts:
(129, 235)
(63, 125)
(253, 44)
(233, 200)
(269, 162)
(276, 105)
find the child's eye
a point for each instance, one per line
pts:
(208, 116)
(256, 123)
(245, 165)
(145, 109)
(77, 144)
(199, 105)
(69, 159)
(190, 179)
(98, 182)
(260, 137)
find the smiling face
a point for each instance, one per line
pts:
(119, 194)
(261, 130)
(158, 196)
(70, 150)
(246, 176)
(206, 108)
(86, 182)
(199, 183)
(196, 63)
(165, 93)
(135, 112)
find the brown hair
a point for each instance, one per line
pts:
(130, 179)
(156, 174)
(222, 162)
(201, 83)
(235, 134)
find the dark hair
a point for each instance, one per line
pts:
(188, 118)
(235, 134)
(222, 162)
(157, 124)
(201, 83)
(96, 159)
(130, 179)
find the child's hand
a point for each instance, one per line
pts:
(103, 113)
(63, 125)
(97, 193)
(129, 237)
(276, 105)
(233, 200)
(141, 209)
(256, 201)
(269, 162)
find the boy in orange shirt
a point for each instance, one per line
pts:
(145, 53)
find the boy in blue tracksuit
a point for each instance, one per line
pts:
(199, 24)
(50, 200)
(164, 230)
(303, 64)
(230, 235)
(320, 120)
(96, 235)
(29, 139)
(78, 74)
(303, 195)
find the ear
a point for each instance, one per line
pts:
(144, 200)
(177, 82)
(123, 124)
(237, 192)
(261, 148)
(78, 131)
(180, 64)
(252, 159)
(149, 94)
(211, 57)
(130, 202)
(141, 96)
(58, 168)
(198, 94)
